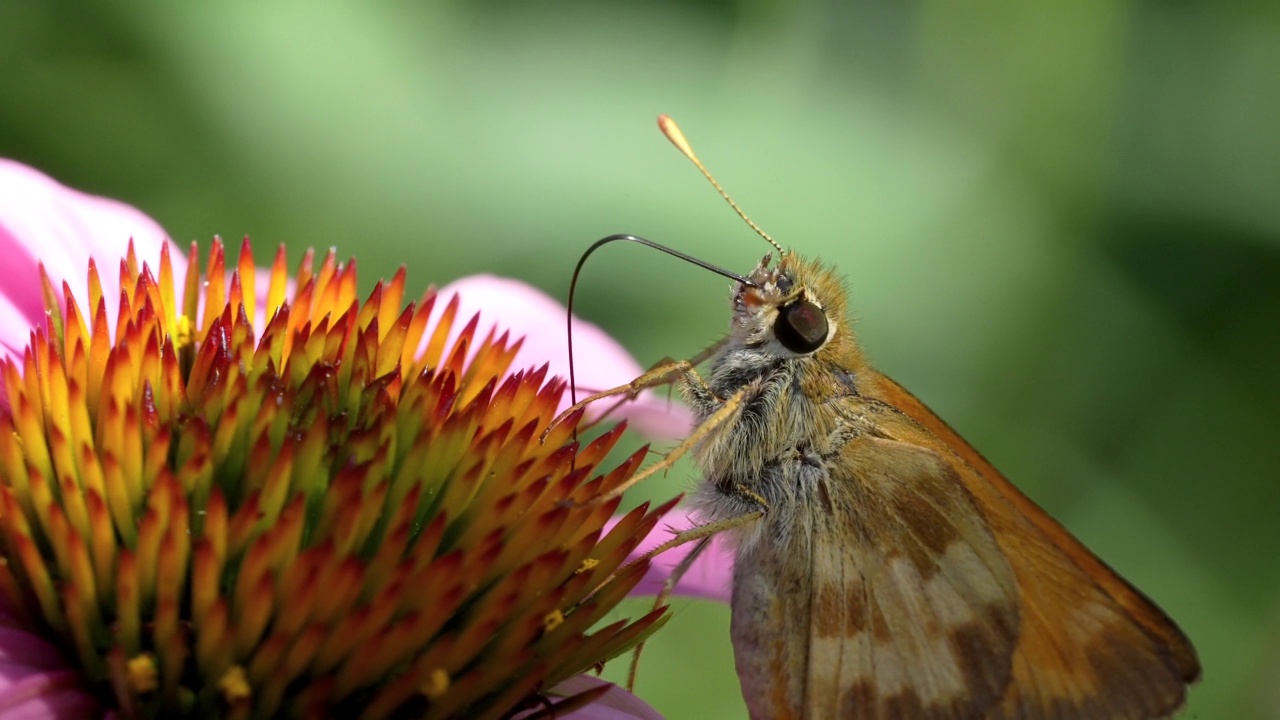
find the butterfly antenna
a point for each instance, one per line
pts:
(677, 138)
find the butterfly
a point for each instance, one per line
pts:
(884, 568)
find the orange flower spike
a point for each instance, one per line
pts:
(235, 300)
(278, 284)
(75, 332)
(275, 487)
(289, 666)
(16, 528)
(327, 291)
(227, 430)
(206, 570)
(455, 361)
(169, 638)
(131, 261)
(344, 576)
(56, 411)
(215, 286)
(73, 504)
(95, 297)
(191, 293)
(175, 547)
(311, 457)
(299, 327)
(78, 626)
(210, 554)
(81, 433)
(286, 537)
(392, 299)
(256, 561)
(412, 364)
(250, 614)
(53, 307)
(41, 583)
(170, 390)
(41, 500)
(391, 347)
(493, 359)
(370, 509)
(340, 346)
(99, 350)
(28, 413)
(266, 658)
(117, 497)
(348, 289)
(355, 373)
(101, 527)
(439, 336)
(168, 302)
(372, 309)
(355, 630)
(150, 533)
(387, 561)
(537, 398)
(130, 455)
(149, 364)
(248, 273)
(298, 588)
(124, 316)
(270, 351)
(214, 641)
(83, 582)
(147, 295)
(305, 274)
(14, 468)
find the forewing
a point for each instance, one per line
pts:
(1091, 645)
(905, 608)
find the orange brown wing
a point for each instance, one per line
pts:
(1075, 651)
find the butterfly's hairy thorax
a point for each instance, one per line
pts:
(795, 406)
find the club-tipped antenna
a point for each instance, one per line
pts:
(677, 138)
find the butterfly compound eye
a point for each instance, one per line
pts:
(801, 327)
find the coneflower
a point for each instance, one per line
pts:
(339, 509)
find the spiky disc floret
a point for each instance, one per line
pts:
(320, 518)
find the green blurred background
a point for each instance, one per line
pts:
(1060, 227)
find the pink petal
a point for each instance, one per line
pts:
(36, 680)
(43, 221)
(711, 575)
(615, 704)
(600, 362)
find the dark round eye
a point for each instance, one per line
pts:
(801, 327)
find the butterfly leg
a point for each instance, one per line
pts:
(657, 376)
(725, 415)
(702, 535)
(695, 361)
(660, 601)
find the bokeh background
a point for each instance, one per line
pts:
(1060, 226)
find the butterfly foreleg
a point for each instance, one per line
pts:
(657, 376)
(728, 411)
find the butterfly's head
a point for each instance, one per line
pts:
(794, 308)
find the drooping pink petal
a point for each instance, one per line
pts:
(710, 577)
(615, 704)
(44, 221)
(600, 362)
(36, 680)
